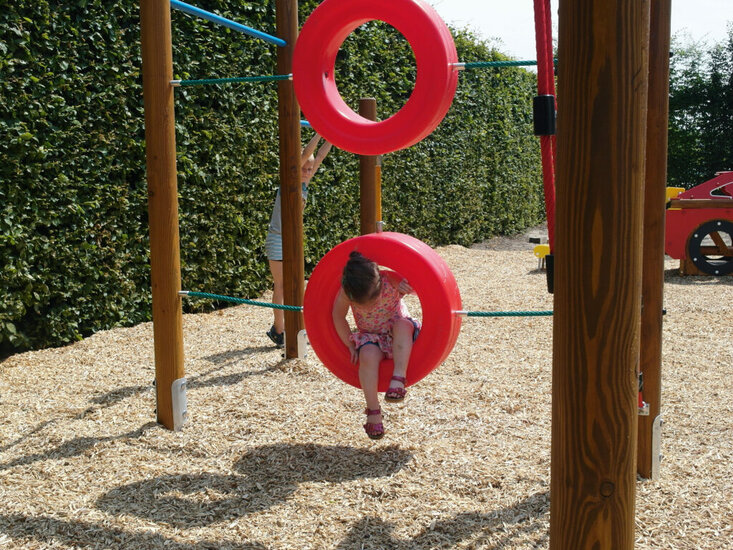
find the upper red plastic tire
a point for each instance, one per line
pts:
(429, 276)
(314, 61)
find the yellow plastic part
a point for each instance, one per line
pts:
(541, 250)
(672, 192)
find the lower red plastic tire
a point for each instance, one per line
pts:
(314, 60)
(429, 276)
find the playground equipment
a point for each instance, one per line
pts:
(596, 334)
(314, 79)
(428, 275)
(223, 21)
(699, 226)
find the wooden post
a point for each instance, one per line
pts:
(598, 248)
(369, 191)
(160, 144)
(652, 287)
(290, 192)
(379, 191)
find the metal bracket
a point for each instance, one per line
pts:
(302, 340)
(302, 344)
(179, 403)
(656, 446)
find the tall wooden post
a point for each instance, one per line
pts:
(652, 288)
(160, 143)
(598, 248)
(290, 191)
(369, 192)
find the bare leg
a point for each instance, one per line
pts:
(369, 358)
(402, 331)
(278, 294)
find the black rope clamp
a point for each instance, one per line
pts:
(543, 109)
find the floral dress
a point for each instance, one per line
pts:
(374, 324)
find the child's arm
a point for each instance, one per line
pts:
(309, 149)
(323, 150)
(399, 282)
(340, 309)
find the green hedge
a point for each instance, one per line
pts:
(73, 227)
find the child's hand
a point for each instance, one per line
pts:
(354, 354)
(404, 287)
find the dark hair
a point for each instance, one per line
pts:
(360, 278)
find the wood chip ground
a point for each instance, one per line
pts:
(274, 456)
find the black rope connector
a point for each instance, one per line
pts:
(543, 108)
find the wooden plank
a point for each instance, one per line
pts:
(598, 249)
(652, 285)
(160, 145)
(290, 185)
(701, 203)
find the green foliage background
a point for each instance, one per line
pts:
(73, 199)
(700, 110)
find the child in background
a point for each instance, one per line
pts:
(384, 329)
(273, 242)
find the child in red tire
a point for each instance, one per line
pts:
(384, 329)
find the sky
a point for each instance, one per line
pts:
(512, 21)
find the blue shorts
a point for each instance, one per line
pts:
(274, 246)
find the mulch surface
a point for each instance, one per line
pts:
(274, 455)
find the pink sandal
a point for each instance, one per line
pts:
(395, 395)
(374, 430)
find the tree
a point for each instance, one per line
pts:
(700, 110)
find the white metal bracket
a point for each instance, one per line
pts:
(180, 403)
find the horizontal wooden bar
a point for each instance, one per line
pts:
(701, 203)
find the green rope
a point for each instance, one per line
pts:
(506, 313)
(300, 308)
(482, 64)
(231, 80)
(240, 300)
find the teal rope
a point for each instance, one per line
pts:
(482, 64)
(300, 308)
(506, 313)
(240, 300)
(232, 80)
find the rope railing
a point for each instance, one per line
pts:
(232, 299)
(193, 10)
(238, 300)
(484, 64)
(504, 313)
(203, 81)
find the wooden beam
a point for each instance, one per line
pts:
(652, 286)
(369, 192)
(701, 203)
(598, 247)
(160, 146)
(290, 191)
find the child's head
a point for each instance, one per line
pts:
(360, 279)
(306, 170)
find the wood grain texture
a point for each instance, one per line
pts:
(290, 184)
(369, 194)
(160, 144)
(602, 112)
(652, 288)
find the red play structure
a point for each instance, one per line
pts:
(699, 229)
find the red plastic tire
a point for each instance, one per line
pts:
(429, 276)
(314, 60)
